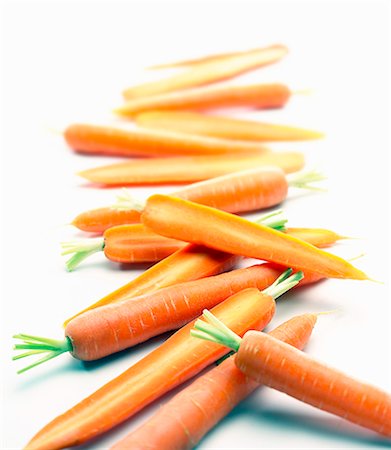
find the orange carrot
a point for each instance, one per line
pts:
(112, 328)
(194, 262)
(260, 96)
(276, 364)
(203, 59)
(180, 219)
(202, 404)
(210, 72)
(136, 243)
(158, 171)
(175, 361)
(237, 192)
(101, 140)
(222, 127)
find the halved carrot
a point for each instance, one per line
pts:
(222, 127)
(276, 364)
(181, 422)
(191, 222)
(203, 59)
(210, 72)
(175, 361)
(237, 192)
(136, 243)
(112, 328)
(158, 171)
(103, 140)
(259, 96)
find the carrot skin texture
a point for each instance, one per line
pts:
(100, 219)
(222, 127)
(282, 367)
(210, 72)
(175, 361)
(201, 405)
(103, 140)
(260, 96)
(189, 263)
(122, 325)
(160, 171)
(238, 192)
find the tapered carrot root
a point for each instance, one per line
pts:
(222, 127)
(259, 96)
(177, 360)
(180, 219)
(243, 191)
(210, 72)
(285, 368)
(182, 170)
(203, 59)
(188, 416)
(100, 140)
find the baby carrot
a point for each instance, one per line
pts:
(194, 262)
(202, 404)
(222, 127)
(178, 359)
(112, 328)
(210, 72)
(276, 364)
(180, 219)
(243, 191)
(158, 171)
(103, 140)
(203, 59)
(260, 96)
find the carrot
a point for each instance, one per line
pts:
(178, 359)
(276, 364)
(237, 192)
(158, 171)
(260, 96)
(195, 262)
(112, 328)
(202, 404)
(222, 127)
(180, 219)
(136, 243)
(210, 72)
(203, 59)
(103, 140)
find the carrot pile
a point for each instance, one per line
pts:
(196, 237)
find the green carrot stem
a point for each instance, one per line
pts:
(81, 250)
(304, 179)
(212, 329)
(126, 202)
(38, 345)
(275, 219)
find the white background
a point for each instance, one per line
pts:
(68, 61)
